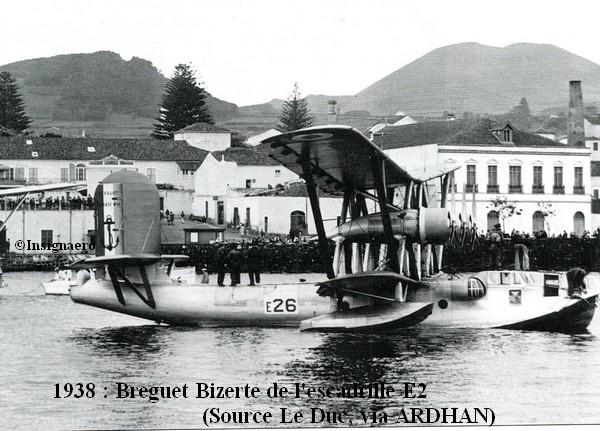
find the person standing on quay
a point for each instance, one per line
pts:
(253, 260)
(221, 264)
(234, 261)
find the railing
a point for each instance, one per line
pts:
(515, 189)
(537, 189)
(558, 190)
(470, 188)
(578, 190)
(495, 188)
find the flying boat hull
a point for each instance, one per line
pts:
(519, 300)
(211, 305)
(511, 300)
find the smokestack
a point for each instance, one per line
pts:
(332, 112)
(575, 131)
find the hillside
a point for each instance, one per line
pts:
(99, 92)
(483, 79)
(472, 77)
(109, 96)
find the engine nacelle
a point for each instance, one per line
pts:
(426, 225)
(456, 289)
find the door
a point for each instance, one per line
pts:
(220, 212)
(538, 222)
(236, 217)
(492, 220)
(579, 223)
(297, 223)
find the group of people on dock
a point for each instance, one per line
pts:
(232, 258)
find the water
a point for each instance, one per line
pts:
(525, 377)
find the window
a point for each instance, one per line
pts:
(17, 173)
(80, 172)
(471, 171)
(64, 175)
(493, 179)
(559, 188)
(596, 194)
(46, 237)
(578, 176)
(578, 188)
(538, 185)
(277, 172)
(537, 176)
(33, 175)
(248, 184)
(151, 173)
(471, 184)
(514, 179)
(595, 146)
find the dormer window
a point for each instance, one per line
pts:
(34, 154)
(29, 142)
(504, 134)
(91, 150)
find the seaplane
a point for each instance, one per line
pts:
(382, 261)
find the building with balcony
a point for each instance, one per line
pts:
(549, 182)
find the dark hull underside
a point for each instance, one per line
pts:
(334, 322)
(574, 318)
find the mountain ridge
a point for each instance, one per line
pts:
(101, 89)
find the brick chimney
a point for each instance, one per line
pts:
(575, 131)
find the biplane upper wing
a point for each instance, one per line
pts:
(432, 171)
(340, 158)
(37, 189)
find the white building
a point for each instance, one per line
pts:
(170, 164)
(399, 119)
(243, 186)
(205, 136)
(549, 182)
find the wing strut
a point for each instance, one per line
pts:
(311, 188)
(385, 214)
(116, 272)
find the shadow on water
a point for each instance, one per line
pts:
(136, 342)
(343, 358)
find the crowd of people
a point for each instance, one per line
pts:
(70, 202)
(538, 234)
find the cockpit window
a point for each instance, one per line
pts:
(476, 288)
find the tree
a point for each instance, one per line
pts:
(12, 108)
(547, 211)
(295, 113)
(504, 208)
(520, 115)
(183, 104)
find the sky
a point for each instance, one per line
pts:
(249, 52)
